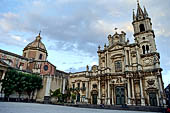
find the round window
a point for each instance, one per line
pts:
(46, 67)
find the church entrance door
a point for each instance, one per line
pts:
(94, 99)
(120, 95)
(153, 100)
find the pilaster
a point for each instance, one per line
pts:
(129, 92)
(141, 91)
(99, 95)
(133, 92)
(108, 93)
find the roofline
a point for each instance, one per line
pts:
(13, 54)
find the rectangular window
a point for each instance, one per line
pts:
(73, 86)
(118, 66)
(40, 57)
(84, 85)
(128, 58)
(78, 85)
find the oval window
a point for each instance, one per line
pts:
(46, 67)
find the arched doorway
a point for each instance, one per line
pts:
(120, 95)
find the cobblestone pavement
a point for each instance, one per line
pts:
(13, 107)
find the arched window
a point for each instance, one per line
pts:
(40, 57)
(143, 48)
(94, 85)
(147, 48)
(118, 66)
(142, 27)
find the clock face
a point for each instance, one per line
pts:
(46, 67)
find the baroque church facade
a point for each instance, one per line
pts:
(34, 60)
(127, 73)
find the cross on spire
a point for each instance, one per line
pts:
(115, 29)
(40, 33)
(137, 1)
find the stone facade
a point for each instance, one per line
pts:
(34, 61)
(127, 73)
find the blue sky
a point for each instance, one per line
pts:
(73, 29)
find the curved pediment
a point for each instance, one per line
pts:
(117, 55)
(116, 47)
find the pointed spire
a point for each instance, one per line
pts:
(145, 12)
(140, 14)
(134, 16)
(99, 48)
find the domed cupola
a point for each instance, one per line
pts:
(36, 50)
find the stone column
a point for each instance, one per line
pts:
(138, 59)
(160, 84)
(133, 92)
(157, 97)
(112, 96)
(99, 95)
(126, 60)
(3, 76)
(162, 99)
(87, 91)
(129, 58)
(48, 85)
(64, 80)
(141, 92)
(129, 93)
(108, 93)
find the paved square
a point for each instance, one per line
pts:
(13, 107)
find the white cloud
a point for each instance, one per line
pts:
(7, 21)
(18, 38)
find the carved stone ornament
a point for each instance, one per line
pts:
(113, 81)
(151, 82)
(147, 61)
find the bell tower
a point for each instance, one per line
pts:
(143, 32)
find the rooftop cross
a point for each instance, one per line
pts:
(39, 32)
(115, 29)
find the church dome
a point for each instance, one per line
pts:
(36, 45)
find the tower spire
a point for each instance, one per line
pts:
(140, 14)
(134, 16)
(145, 12)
